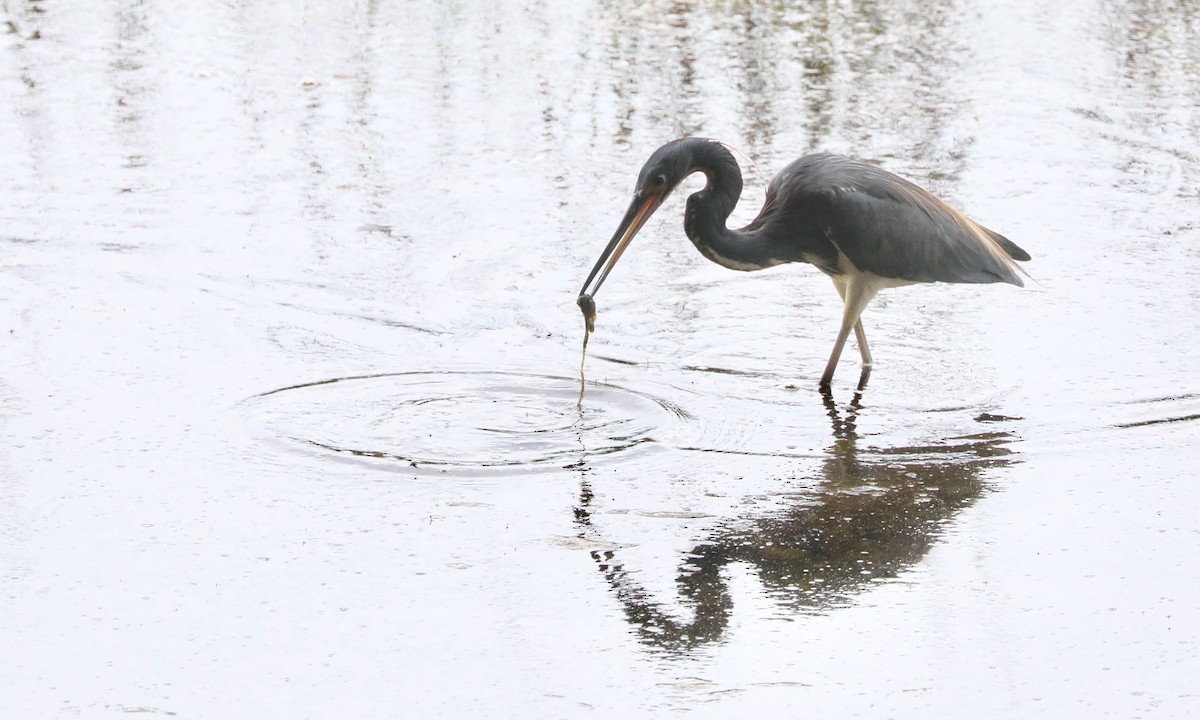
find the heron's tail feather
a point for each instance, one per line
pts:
(1014, 251)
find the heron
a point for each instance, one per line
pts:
(864, 227)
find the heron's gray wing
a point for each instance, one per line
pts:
(892, 228)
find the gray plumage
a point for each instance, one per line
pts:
(883, 223)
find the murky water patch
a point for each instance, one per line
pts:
(467, 422)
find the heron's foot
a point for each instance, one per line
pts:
(864, 377)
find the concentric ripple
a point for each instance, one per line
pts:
(465, 422)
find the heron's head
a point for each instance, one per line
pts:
(662, 173)
(667, 167)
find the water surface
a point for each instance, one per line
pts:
(289, 411)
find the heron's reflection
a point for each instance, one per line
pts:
(870, 518)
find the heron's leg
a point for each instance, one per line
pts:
(860, 335)
(856, 296)
(827, 377)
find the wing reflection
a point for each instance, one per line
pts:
(875, 513)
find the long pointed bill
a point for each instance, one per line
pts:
(639, 212)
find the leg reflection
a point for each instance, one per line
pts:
(873, 513)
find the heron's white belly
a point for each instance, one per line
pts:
(851, 275)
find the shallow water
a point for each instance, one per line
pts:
(288, 414)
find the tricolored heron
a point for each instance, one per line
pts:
(864, 227)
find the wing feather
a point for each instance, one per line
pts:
(888, 226)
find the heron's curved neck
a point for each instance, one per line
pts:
(708, 212)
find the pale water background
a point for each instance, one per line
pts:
(287, 407)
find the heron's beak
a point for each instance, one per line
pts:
(639, 212)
